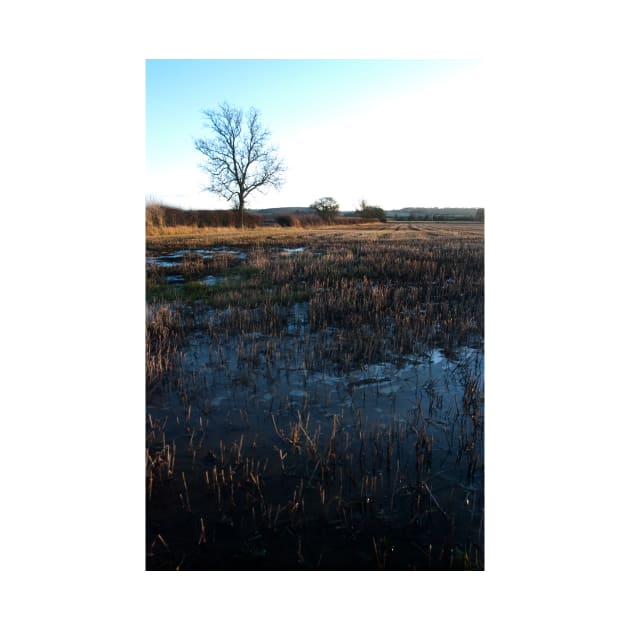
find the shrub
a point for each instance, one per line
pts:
(301, 220)
(367, 211)
(287, 220)
(327, 208)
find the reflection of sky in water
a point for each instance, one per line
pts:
(174, 279)
(436, 356)
(212, 280)
(299, 318)
(428, 385)
(152, 260)
(176, 258)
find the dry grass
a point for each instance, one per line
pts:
(162, 219)
(180, 236)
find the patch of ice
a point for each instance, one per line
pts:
(212, 280)
(388, 390)
(436, 356)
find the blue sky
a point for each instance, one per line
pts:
(395, 132)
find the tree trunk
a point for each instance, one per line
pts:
(241, 210)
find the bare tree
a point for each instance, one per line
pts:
(327, 208)
(239, 158)
(368, 211)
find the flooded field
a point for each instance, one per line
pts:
(318, 404)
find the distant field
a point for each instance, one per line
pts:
(181, 236)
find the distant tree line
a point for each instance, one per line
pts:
(474, 215)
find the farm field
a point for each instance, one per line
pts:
(315, 398)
